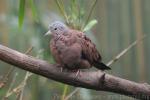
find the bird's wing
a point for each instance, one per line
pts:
(89, 50)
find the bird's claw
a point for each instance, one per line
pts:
(61, 69)
(78, 72)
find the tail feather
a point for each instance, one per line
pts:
(101, 66)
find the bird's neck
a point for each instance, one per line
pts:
(58, 37)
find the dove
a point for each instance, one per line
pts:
(73, 49)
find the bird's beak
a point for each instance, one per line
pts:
(48, 33)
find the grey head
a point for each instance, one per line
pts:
(56, 28)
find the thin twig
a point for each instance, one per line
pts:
(72, 93)
(64, 92)
(5, 78)
(62, 9)
(125, 51)
(20, 88)
(11, 85)
(29, 50)
(90, 13)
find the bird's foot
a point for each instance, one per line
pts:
(78, 72)
(60, 66)
(61, 69)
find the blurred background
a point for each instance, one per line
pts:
(112, 24)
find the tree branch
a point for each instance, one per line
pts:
(90, 80)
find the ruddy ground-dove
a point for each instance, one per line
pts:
(73, 49)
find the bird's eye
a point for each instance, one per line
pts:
(55, 28)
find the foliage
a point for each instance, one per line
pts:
(22, 11)
(76, 15)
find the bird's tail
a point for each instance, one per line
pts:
(101, 66)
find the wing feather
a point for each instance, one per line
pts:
(89, 50)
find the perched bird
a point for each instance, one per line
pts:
(73, 49)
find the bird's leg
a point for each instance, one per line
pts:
(61, 69)
(78, 72)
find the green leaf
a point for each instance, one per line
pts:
(64, 92)
(90, 25)
(60, 5)
(34, 10)
(21, 12)
(90, 13)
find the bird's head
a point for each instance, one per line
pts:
(56, 28)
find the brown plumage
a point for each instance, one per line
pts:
(74, 49)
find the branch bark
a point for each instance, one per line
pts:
(91, 80)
